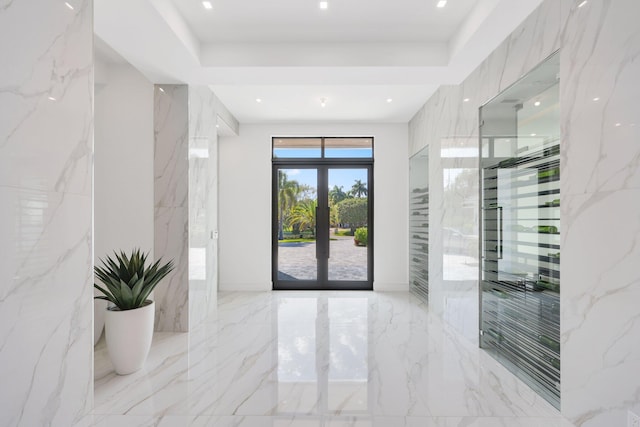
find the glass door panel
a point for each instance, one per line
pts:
(348, 255)
(296, 208)
(419, 224)
(520, 190)
(322, 237)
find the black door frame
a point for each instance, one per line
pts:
(322, 233)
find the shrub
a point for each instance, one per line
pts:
(353, 212)
(362, 236)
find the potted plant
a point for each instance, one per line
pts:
(129, 321)
(361, 237)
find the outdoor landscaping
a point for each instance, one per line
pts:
(297, 209)
(297, 228)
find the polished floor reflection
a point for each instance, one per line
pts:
(317, 359)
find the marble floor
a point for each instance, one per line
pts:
(317, 359)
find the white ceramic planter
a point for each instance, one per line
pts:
(99, 306)
(128, 334)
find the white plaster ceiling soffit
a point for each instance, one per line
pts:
(294, 43)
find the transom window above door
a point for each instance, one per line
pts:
(322, 147)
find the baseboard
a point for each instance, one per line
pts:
(244, 287)
(263, 287)
(390, 287)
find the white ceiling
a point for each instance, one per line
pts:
(353, 103)
(289, 53)
(104, 52)
(343, 21)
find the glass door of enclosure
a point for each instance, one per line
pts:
(520, 193)
(322, 214)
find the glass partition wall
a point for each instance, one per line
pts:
(419, 224)
(520, 231)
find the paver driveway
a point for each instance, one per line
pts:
(297, 261)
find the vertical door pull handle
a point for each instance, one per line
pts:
(500, 232)
(328, 232)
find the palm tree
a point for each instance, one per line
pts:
(287, 196)
(303, 214)
(359, 189)
(306, 191)
(337, 194)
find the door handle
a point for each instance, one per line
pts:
(500, 232)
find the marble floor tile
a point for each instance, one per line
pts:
(325, 359)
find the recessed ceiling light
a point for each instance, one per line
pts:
(323, 102)
(618, 124)
(68, 5)
(258, 100)
(389, 100)
(466, 100)
(442, 3)
(217, 126)
(324, 5)
(161, 90)
(537, 103)
(533, 134)
(207, 5)
(51, 98)
(596, 99)
(583, 3)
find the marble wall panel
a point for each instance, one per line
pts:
(203, 202)
(600, 164)
(46, 164)
(171, 190)
(171, 133)
(187, 202)
(211, 262)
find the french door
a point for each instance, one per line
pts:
(322, 225)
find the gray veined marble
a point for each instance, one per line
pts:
(46, 161)
(203, 202)
(601, 243)
(317, 359)
(171, 189)
(186, 201)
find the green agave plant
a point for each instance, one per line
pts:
(128, 282)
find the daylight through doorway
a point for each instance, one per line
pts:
(322, 217)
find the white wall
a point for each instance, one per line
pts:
(245, 202)
(123, 180)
